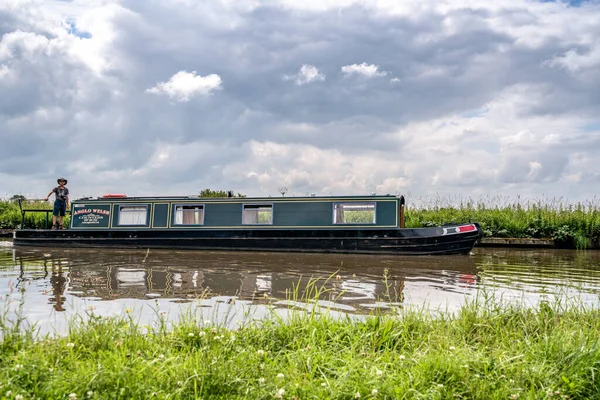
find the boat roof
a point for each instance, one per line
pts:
(122, 197)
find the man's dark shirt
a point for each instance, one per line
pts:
(61, 193)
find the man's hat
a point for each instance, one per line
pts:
(61, 179)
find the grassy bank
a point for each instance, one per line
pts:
(484, 351)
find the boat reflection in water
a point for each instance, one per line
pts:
(352, 283)
(60, 283)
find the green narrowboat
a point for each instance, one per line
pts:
(342, 224)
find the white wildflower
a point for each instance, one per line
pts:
(260, 352)
(452, 348)
(357, 395)
(261, 380)
(70, 345)
(191, 334)
(280, 375)
(201, 333)
(89, 393)
(374, 392)
(19, 397)
(323, 384)
(378, 372)
(280, 393)
(73, 396)
(402, 357)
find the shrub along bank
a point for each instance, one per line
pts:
(10, 215)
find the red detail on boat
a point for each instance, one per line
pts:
(114, 196)
(467, 228)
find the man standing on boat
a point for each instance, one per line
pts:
(60, 203)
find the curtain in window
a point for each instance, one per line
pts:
(132, 215)
(250, 216)
(189, 215)
(339, 214)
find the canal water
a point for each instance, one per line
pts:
(51, 286)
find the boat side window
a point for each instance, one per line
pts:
(354, 213)
(188, 214)
(257, 214)
(133, 215)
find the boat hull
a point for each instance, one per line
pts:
(418, 241)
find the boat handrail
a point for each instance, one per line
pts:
(35, 210)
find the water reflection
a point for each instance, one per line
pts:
(356, 280)
(59, 280)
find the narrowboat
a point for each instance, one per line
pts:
(343, 224)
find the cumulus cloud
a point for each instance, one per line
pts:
(574, 60)
(184, 85)
(307, 74)
(472, 98)
(364, 70)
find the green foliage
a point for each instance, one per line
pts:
(217, 193)
(10, 214)
(571, 225)
(486, 350)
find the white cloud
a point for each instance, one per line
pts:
(307, 74)
(4, 71)
(184, 85)
(576, 61)
(451, 129)
(364, 69)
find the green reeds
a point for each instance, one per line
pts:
(486, 350)
(11, 218)
(571, 225)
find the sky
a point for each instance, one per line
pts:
(442, 99)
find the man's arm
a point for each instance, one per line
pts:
(49, 194)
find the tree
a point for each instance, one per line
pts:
(17, 197)
(218, 193)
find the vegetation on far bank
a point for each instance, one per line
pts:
(486, 350)
(570, 224)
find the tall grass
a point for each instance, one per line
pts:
(571, 224)
(10, 215)
(487, 350)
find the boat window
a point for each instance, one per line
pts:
(189, 214)
(354, 213)
(257, 214)
(133, 215)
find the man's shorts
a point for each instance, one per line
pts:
(60, 208)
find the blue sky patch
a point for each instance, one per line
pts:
(72, 30)
(572, 3)
(590, 127)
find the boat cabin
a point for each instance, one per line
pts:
(191, 212)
